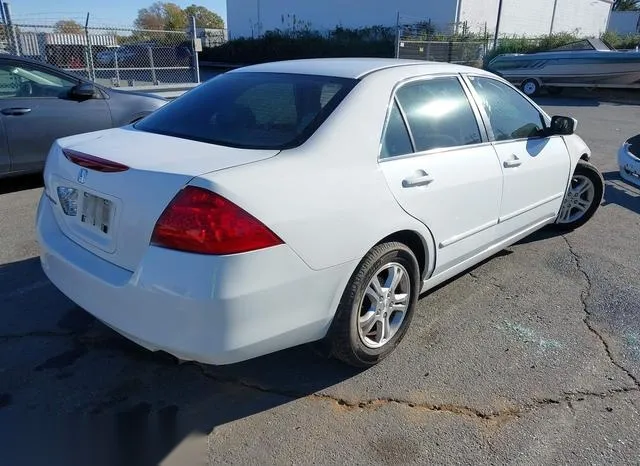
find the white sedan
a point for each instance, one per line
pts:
(301, 201)
(629, 160)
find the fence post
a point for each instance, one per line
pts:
(196, 62)
(12, 30)
(398, 34)
(486, 40)
(91, 69)
(115, 63)
(152, 65)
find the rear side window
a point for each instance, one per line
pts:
(396, 139)
(439, 114)
(251, 110)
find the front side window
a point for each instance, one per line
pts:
(19, 81)
(511, 115)
(251, 110)
(439, 114)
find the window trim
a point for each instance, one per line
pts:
(545, 119)
(484, 136)
(53, 72)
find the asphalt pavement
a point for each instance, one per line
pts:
(532, 357)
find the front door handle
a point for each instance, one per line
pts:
(16, 111)
(419, 178)
(512, 163)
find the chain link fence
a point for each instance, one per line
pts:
(113, 56)
(420, 39)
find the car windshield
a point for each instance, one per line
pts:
(251, 110)
(585, 44)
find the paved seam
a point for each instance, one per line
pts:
(584, 296)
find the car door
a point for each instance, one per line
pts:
(441, 168)
(536, 167)
(36, 108)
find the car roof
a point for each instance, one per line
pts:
(355, 68)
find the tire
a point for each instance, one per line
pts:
(576, 216)
(530, 87)
(555, 90)
(346, 339)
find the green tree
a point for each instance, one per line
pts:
(626, 5)
(205, 18)
(161, 16)
(68, 26)
(169, 16)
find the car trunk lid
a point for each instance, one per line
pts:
(110, 187)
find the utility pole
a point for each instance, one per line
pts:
(495, 39)
(553, 16)
(259, 20)
(6, 10)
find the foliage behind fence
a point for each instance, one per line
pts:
(303, 42)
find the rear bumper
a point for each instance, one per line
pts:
(216, 310)
(629, 165)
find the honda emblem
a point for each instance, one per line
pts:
(82, 175)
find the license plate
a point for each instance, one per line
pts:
(632, 169)
(96, 212)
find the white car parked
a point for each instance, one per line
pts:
(291, 202)
(629, 160)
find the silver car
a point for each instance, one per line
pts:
(40, 103)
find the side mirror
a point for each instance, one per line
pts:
(563, 126)
(83, 91)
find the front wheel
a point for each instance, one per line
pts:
(583, 197)
(376, 307)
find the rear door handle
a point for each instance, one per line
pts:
(512, 163)
(16, 111)
(419, 178)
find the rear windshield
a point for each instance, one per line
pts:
(251, 110)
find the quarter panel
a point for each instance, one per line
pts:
(328, 198)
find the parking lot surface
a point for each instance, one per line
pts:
(531, 357)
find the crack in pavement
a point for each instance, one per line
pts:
(498, 417)
(584, 296)
(492, 281)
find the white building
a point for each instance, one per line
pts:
(247, 18)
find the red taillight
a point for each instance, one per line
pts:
(200, 221)
(93, 163)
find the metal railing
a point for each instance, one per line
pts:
(448, 42)
(113, 56)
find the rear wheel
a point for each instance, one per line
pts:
(530, 87)
(376, 307)
(582, 198)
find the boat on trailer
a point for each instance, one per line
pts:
(585, 63)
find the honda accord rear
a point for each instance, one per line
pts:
(136, 228)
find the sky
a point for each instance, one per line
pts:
(103, 13)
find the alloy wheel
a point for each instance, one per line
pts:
(384, 305)
(578, 199)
